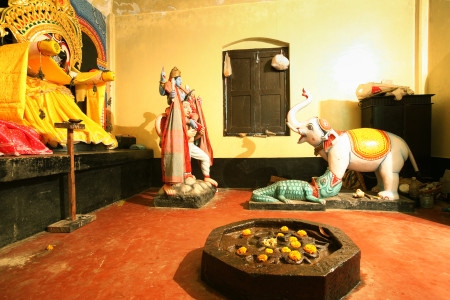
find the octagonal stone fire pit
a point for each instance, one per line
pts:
(329, 273)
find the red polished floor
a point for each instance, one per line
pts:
(136, 251)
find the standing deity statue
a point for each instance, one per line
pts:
(180, 127)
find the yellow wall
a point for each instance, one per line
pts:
(334, 46)
(438, 81)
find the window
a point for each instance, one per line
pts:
(256, 97)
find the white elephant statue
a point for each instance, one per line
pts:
(362, 149)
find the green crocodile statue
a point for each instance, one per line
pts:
(327, 185)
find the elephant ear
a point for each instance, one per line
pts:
(324, 125)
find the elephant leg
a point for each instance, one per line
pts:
(338, 163)
(380, 186)
(395, 182)
(390, 180)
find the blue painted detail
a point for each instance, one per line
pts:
(93, 16)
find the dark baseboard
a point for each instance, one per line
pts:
(256, 172)
(253, 172)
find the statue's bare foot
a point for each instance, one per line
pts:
(386, 195)
(212, 181)
(169, 189)
(322, 201)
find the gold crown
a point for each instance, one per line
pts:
(175, 72)
(27, 20)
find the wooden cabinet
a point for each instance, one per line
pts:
(409, 118)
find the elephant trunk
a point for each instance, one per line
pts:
(292, 121)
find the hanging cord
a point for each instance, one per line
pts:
(226, 105)
(41, 92)
(40, 74)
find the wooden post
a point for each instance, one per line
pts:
(71, 183)
(74, 221)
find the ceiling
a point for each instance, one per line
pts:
(127, 7)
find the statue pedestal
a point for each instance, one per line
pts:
(344, 200)
(191, 194)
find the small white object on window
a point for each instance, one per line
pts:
(280, 62)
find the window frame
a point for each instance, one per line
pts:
(256, 69)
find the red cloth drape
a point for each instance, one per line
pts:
(175, 158)
(18, 139)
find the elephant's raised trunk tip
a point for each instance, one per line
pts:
(292, 121)
(305, 93)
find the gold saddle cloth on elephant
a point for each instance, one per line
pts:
(369, 143)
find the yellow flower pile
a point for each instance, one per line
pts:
(284, 228)
(262, 258)
(272, 242)
(269, 250)
(246, 232)
(241, 250)
(295, 255)
(293, 238)
(310, 248)
(301, 233)
(285, 250)
(280, 234)
(296, 244)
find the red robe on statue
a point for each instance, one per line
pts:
(175, 158)
(205, 145)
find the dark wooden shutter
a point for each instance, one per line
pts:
(255, 95)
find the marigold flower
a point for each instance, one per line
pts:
(295, 255)
(301, 233)
(280, 234)
(285, 250)
(241, 250)
(310, 248)
(246, 232)
(269, 250)
(284, 228)
(296, 244)
(293, 238)
(262, 258)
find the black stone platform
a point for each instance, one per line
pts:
(191, 194)
(344, 200)
(33, 188)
